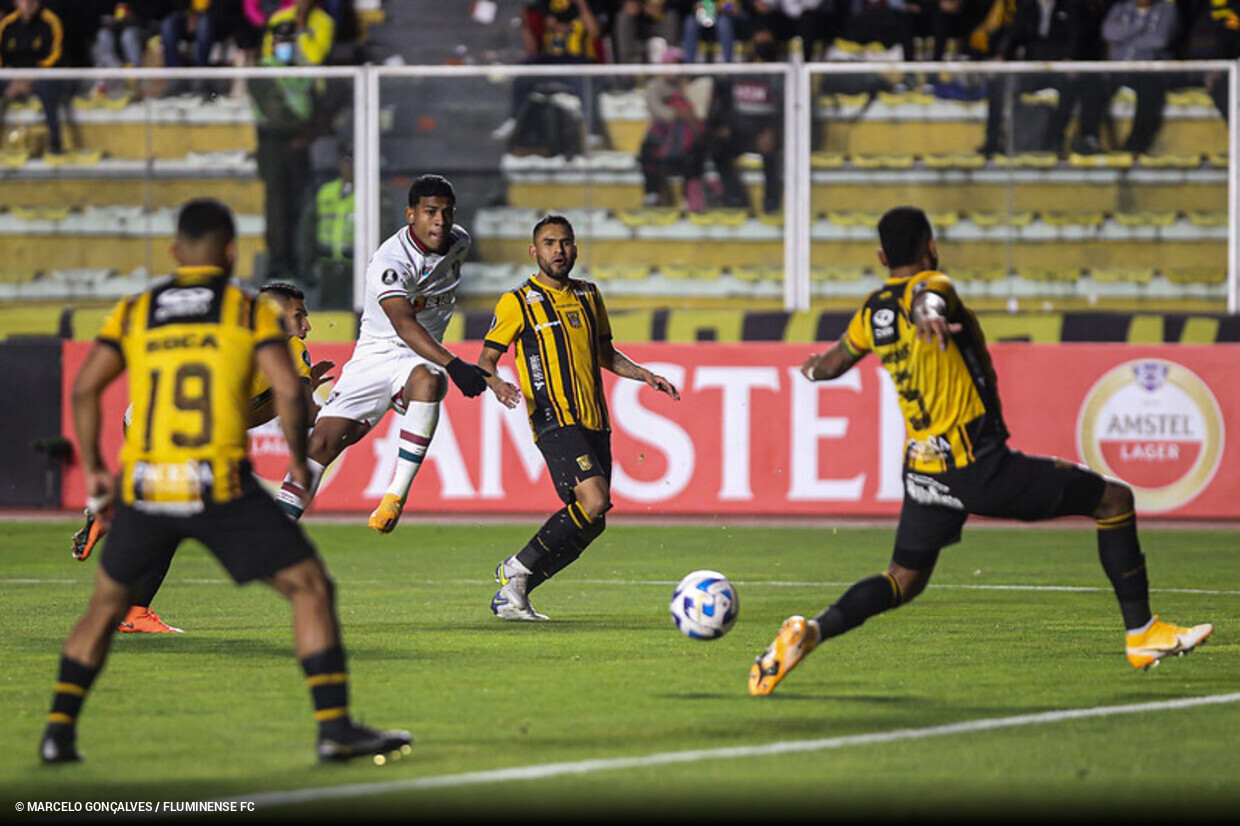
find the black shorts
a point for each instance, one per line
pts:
(1005, 484)
(250, 536)
(574, 454)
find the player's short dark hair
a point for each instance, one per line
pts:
(431, 186)
(904, 232)
(206, 216)
(284, 288)
(547, 220)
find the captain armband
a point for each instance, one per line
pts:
(928, 306)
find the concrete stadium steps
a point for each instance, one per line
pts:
(156, 128)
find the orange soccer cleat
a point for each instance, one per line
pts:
(141, 620)
(797, 637)
(85, 540)
(1163, 639)
(385, 517)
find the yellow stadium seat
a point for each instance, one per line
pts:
(1073, 219)
(1207, 219)
(896, 161)
(1131, 275)
(995, 219)
(1105, 160)
(1146, 218)
(979, 274)
(649, 216)
(836, 273)
(1218, 159)
(826, 160)
(691, 271)
(955, 160)
(1189, 160)
(615, 272)
(1050, 274)
(732, 217)
(14, 159)
(1028, 160)
(754, 274)
(17, 276)
(869, 220)
(1189, 97)
(771, 219)
(943, 220)
(1196, 275)
(41, 213)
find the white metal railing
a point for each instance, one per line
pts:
(798, 121)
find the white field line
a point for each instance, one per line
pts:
(659, 583)
(580, 767)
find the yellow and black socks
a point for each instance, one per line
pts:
(328, 680)
(1120, 553)
(73, 681)
(864, 599)
(555, 534)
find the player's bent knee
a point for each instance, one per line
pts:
(1117, 500)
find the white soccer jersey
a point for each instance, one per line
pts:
(401, 267)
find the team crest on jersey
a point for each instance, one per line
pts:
(584, 462)
(574, 319)
(390, 277)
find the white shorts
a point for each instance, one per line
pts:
(371, 383)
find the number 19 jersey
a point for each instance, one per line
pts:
(188, 344)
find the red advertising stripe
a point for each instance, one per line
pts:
(751, 437)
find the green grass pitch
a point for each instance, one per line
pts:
(606, 711)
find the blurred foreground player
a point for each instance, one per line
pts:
(957, 461)
(292, 300)
(190, 344)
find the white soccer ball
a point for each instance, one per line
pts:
(704, 605)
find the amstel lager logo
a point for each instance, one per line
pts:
(1155, 425)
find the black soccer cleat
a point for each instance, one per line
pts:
(58, 750)
(360, 741)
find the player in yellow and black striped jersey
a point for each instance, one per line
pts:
(957, 461)
(190, 344)
(292, 302)
(563, 343)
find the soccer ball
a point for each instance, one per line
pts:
(704, 605)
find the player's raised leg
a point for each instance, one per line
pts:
(425, 390)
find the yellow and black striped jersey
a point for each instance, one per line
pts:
(557, 333)
(188, 344)
(260, 386)
(949, 398)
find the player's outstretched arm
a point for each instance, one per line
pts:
(829, 365)
(508, 393)
(612, 359)
(102, 366)
(469, 378)
(290, 399)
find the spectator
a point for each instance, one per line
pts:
(748, 116)
(1213, 33)
(638, 22)
(314, 28)
(125, 30)
(813, 21)
(556, 32)
(723, 18)
(950, 23)
(288, 118)
(889, 22)
(31, 37)
(1042, 30)
(188, 22)
(1132, 30)
(325, 236)
(675, 143)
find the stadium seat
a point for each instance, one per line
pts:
(700, 272)
(649, 216)
(1104, 160)
(896, 161)
(955, 160)
(719, 217)
(1207, 219)
(1196, 275)
(619, 272)
(869, 220)
(1028, 160)
(1183, 160)
(1050, 274)
(1130, 275)
(945, 220)
(1146, 218)
(995, 219)
(837, 273)
(1074, 219)
(755, 274)
(826, 160)
(979, 274)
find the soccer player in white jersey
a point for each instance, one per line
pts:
(399, 362)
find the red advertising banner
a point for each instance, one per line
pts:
(751, 437)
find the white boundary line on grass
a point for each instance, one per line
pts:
(668, 583)
(549, 770)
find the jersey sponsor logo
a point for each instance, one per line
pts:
(533, 297)
(537, 378)
(584, 462)
(1156, 425)
(555, 322)
(389, 277)
(929, 491)
(183, 302)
